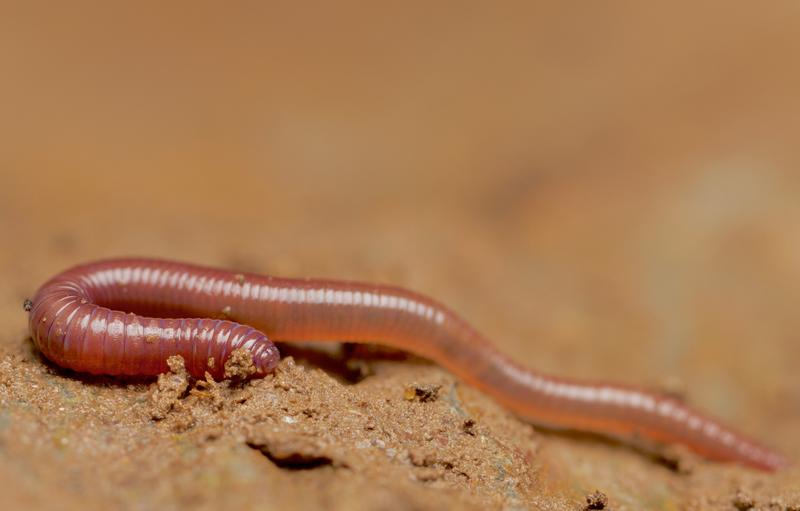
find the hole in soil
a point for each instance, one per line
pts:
(295, 461)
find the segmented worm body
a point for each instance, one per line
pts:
(203, 314)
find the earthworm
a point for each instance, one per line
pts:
(203, 314)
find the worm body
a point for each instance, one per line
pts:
(203, 314)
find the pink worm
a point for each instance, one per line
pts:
(76, 321)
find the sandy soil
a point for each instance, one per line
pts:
(607, 191)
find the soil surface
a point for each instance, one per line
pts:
(606, 191)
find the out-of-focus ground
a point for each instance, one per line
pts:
(607, 190)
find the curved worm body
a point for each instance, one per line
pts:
(76, 320)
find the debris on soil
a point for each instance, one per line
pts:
(210, 391)
(596, 500)
(169, 388)
(469, 427)
(240, 364)
(432, 466)
(424, 393)
(743, 501)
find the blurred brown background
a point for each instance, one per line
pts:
(608, 189)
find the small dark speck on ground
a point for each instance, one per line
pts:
(421, 392)
(596, 500)
(469, 427)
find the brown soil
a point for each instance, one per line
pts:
(608, 192)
